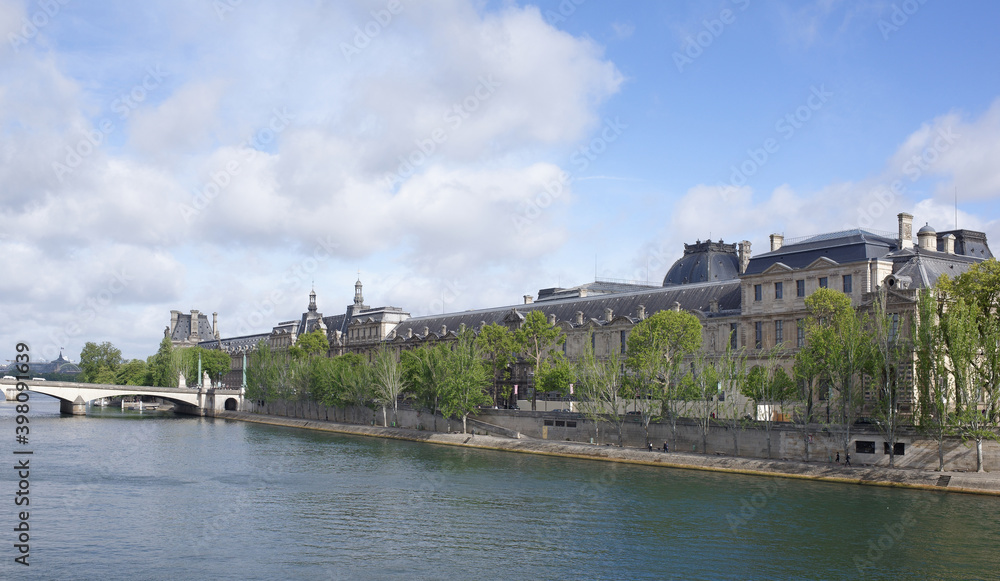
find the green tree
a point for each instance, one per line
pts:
(269, 374)
(424, 369)
(769, 385)
(310, 345)
(601, 389)
(973, 342)
(933, 396)
(465, 379)
(888, 353)
(842, 345)
(99, 362)
(213, 361)
(705, 385)
(351, 382)
(499, 349)
(536, 338)
(735, 410)
(160, 369)
(131, 373)
(656, 349)
(387, 381)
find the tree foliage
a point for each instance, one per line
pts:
(536, 338)
(99, 362)
(499, 349)
(310, 345)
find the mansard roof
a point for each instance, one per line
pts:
(692, 297)
(840, 247)
(921, 268)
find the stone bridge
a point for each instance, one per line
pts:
(73, 397)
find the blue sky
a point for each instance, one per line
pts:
(227, 155)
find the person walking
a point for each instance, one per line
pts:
(848, 463)
(650, 446)
(665, 447)
(838, 457)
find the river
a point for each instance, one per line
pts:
(130, 495)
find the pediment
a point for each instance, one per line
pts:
(821, 263)
(778, 267)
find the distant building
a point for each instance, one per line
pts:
(756, 302)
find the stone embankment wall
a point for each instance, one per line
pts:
(787, 441)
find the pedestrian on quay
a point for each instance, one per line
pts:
(665, 447)
(838, 457)
(650, 446)
(848, 463)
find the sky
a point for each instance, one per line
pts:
(229, 156)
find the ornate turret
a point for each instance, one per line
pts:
(359, 300)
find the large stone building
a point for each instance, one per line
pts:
(756, 302)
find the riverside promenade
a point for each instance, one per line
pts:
(965, 482)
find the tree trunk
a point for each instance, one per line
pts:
(768, 444)
(463, 423)
(979, 454)
(385, 418)
(736, 443)
(941, 454)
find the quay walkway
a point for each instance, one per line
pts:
(966, 482)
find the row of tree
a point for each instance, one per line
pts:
(103, 363)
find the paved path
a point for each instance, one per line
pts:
(970, 482)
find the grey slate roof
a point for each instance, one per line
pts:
(841, 247)
(704, 262)
(183, 329)
(922, 268)
(690, 297)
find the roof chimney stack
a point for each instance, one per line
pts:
(744, 255)
(528, 299)
(905, 230)
(776, 240)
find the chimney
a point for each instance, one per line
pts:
(608, 315)
(215, 325)
(583, 293)
(528, 299)
(905, 230)
(949, 243)
(174, 315)
(677, 307)
(713, 306)
(193, 336)
(578, 320)
(744, 255)
(409, 333)
(444, 330)
(427, 331)
(776, 240)
(642, 312)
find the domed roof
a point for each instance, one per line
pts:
(927, 229)
(704, 262)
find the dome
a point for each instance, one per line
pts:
(927, 229)
(704, 262)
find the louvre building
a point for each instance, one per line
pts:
(757, 302)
